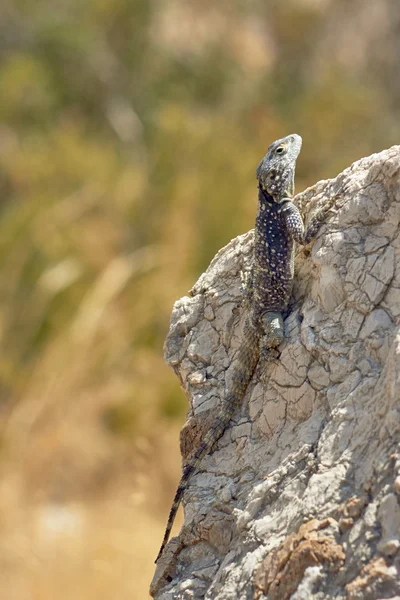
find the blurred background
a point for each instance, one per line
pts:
(130, 131)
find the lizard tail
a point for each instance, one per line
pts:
(209, 440)
(188, 470)
(247, 361)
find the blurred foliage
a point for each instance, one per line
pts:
(130, 131)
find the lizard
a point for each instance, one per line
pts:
(267, 290)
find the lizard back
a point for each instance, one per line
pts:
(273, 263)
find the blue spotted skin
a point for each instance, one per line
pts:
(273, 251)
(278, 226)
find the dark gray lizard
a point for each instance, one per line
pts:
(268, 288)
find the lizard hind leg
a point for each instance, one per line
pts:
(272, 325)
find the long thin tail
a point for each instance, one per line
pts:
(208, 442)
(188, 470)
(247, 361)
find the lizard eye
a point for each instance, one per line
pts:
(280, 149)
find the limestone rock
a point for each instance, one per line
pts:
(300, 497)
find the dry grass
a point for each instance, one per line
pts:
(82, 510)
(81, 550)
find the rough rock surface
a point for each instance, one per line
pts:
(301, 497)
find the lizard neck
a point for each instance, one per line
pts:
(264, 197)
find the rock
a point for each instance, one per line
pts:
(300, 497)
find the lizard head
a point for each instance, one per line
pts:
(275, 173)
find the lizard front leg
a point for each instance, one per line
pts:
(295, 225)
